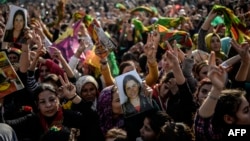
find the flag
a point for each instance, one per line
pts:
(234, 26)
(68, 43)
(182, 37)
(170, 22)
(151, 10)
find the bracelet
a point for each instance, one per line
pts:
(213, 97)
(72, 98)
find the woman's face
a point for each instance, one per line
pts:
(164, 89)
(215, 44)
(166, 63)
(48, 103)
(89, 92)
(147, 134)
(204, 90)
(44, 71)
(13, 58)
(132, 89)
(203, 72)
(116, 105)
(18, 22)
(243, 113)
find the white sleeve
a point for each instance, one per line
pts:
(73, 61)
(47, 42)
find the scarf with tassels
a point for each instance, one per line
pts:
(149, 10)
(57, 121)
(234, 26)
(182, 37)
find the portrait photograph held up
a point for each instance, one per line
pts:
(17, 22)
(131, 93)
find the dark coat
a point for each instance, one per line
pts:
(145, 105)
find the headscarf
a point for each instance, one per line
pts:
(208, 38)
(104, 110)
(83, 80)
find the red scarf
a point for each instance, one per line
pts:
(57, 121)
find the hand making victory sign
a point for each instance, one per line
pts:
(68, 90)
(217, 74)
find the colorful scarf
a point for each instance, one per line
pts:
(151, 10)
(104, 110)
(220, 54)
(234, 26)
(57, 121)
(182, 37)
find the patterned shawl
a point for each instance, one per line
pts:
(104, 110)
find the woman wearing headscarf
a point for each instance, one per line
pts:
(210, 41)
(109, 109)
(87, 89)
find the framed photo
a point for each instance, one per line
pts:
(131, 94)
(17, 22)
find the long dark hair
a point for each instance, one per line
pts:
(42, 87)
(128, 78)
(19, 12)
(228, 104)
(204, 81)
(157, 119)
(176, 131)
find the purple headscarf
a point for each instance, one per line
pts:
(104, 110)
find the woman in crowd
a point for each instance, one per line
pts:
(152, 125)
(87, 89)
(109, 109)
(208, 41)
(203, 88)
(223, 109)
(51, 115)
(173, 93)
(200, 70)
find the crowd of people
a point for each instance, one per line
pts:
(193, 70)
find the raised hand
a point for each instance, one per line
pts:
(217, 74)
(150, 48)
(172, 53)
(56, 53)
(212, 14)
(67, 89)
(243, 50)
(156, 37)
(37, 26)
(148, 91)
